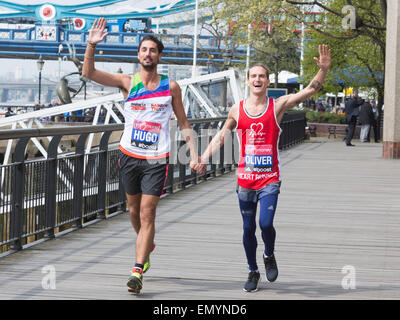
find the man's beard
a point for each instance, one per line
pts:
(149, 67)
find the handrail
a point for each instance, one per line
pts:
(39, 196)
(45, 132)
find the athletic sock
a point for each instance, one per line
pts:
(138, 265)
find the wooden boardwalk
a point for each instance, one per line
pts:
(337, 222)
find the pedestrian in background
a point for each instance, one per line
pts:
(352, 111)
(374, 123)
(366, 117)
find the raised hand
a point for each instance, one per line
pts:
(324, 60)
(96, 34)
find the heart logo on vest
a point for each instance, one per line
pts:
(256, 127)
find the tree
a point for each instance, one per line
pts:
(357, 30)
(281, 54)
(271, 36)
(361, 26)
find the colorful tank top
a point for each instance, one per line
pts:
(147, 115)
(258, 136)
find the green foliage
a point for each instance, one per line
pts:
(325, 117)
(270, 33)
(358, 52)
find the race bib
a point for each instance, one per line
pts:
(145, 135)
(258, 158)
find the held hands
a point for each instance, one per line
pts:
(96, 34)
(324, 60)
(197, 166)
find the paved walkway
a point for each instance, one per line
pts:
(337, 228)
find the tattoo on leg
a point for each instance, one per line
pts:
(316, 85)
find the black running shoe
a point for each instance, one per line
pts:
(135, 280)
(271, 268)
(252, 281)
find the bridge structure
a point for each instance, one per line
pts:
(46, 39)
(53, 25)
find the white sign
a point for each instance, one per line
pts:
(47, 33)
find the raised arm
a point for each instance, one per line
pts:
(289, 101)
(97, 35)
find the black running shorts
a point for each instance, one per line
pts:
(144, 176)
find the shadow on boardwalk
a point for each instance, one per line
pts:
(337, 227)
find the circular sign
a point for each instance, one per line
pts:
(79, 23)
(47, 12)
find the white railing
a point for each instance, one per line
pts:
(194, 98)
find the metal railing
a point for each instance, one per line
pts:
(293, 129)
(40, 198)
(200, 95)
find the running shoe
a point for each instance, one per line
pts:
(271, 268)
(146, 265)
(252, 281)
(135, 280)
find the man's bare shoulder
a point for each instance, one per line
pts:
(234, 108)
(174, 86)
(233, 113)
(127, 78)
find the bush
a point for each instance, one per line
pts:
(325, 117)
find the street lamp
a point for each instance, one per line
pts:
(227, 56)
(210, 63)
(40, 64)
(60, 49)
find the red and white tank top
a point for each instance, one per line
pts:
(147, 115)
(258, 136)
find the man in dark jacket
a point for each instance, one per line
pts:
(352, 111)
(365, 119)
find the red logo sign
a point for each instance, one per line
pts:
(79, 23)
(47, 12)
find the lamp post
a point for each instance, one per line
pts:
(210, 63)
(227, 56)
(40, 64)
(195, 40)
(60, 49)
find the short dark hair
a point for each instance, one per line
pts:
(157, 41)
(258, 65)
